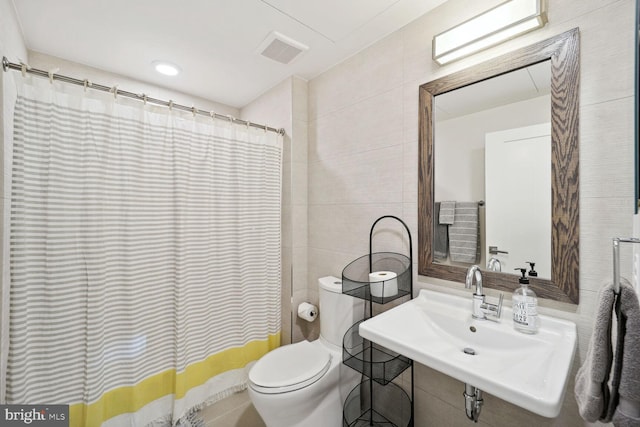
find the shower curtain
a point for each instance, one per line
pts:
(144, 256)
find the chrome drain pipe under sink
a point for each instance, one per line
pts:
(472, 402)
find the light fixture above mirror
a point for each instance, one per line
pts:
(505, 21)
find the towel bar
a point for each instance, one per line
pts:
(616, 259)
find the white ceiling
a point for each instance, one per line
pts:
(215, 42)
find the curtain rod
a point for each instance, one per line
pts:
(6, 65)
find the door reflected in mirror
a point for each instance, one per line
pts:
(492, 145)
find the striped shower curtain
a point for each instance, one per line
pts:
(144, 256)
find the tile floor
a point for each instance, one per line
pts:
(234, 411)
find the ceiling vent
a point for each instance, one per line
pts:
(281, 48)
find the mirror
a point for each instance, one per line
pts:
(562, 54)
(493, 145)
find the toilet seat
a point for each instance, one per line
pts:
(290, 368)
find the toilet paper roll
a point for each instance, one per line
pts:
(383, 283)
(307, 311)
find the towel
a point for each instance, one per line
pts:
(447, 212)
(624, 409)
(591, 389)
(440, 236)
(464, 244)
(596, 401)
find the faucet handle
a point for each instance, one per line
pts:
(493, 311)
(493, 250)
(499, 312)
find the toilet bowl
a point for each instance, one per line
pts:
(304, 384)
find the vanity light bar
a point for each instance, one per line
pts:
(505, 21)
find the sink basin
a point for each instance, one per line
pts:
(437, 330)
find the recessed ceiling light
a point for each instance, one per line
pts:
(166, 68)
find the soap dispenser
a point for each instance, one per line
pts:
(532, 272)
(525, 306)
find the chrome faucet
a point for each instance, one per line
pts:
(482, 310)
(494, 264)
(474, 272)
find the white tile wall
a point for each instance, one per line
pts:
(363, 139)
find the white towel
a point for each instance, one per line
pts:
(463, 234)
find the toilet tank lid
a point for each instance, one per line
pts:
(331, 284)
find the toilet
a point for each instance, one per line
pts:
(304, 384)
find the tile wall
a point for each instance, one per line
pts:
(363, 147)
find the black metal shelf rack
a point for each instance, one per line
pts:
(377, 400)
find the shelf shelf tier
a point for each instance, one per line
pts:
(359, 408)
(356, 282)
(370, 359)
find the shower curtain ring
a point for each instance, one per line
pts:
(193, 110)
(115, 91)
(170, 105)
(52, 74)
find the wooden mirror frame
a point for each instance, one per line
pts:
(563, 51)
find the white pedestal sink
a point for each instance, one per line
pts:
(435, 329)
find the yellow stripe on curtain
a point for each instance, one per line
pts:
(131, 399)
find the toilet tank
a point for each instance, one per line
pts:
(338, 312)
